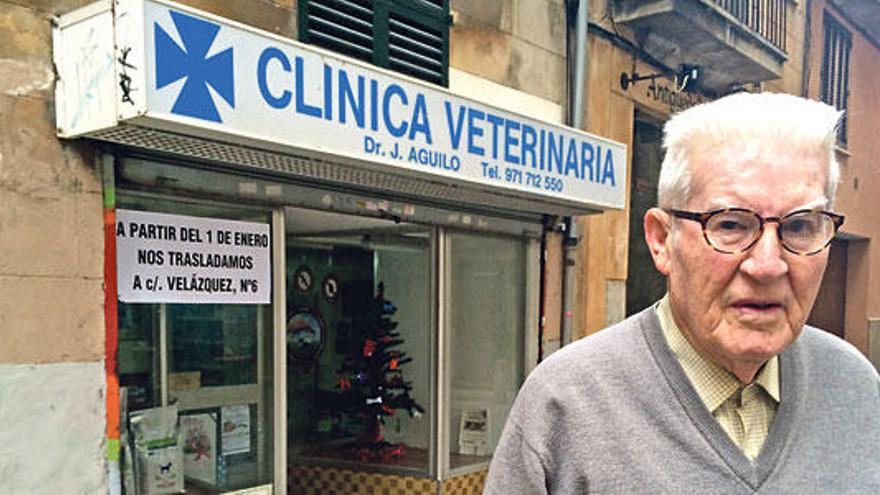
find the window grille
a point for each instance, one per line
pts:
(834, 79)
(408, 36)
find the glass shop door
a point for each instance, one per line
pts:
(359, 343)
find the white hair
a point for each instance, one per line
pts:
(774, 118)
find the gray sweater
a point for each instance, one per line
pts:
(615, 413)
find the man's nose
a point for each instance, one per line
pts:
(765, 259)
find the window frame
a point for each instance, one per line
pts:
(835, 70)
(271, 355)
(187, 181)
(528, 332)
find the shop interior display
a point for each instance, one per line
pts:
(372, 386)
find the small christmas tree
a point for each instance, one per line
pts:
(372, 384)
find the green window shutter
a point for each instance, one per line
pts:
(408, 36)
(344, 26)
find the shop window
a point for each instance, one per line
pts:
(487, 304)
(834, 78)
(359, 341)
(213, 362)
(376, 260)
(422, 292)
(407, 36)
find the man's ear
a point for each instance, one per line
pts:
(657, 235)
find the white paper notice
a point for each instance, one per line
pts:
(182, 259)
(473, 435)
(236, 426)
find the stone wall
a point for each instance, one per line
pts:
(51, 275)
(517, 43)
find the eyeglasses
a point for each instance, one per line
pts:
(734, 230)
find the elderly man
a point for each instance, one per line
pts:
(719, 387)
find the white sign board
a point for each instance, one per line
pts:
(190, 72)
(163, 258)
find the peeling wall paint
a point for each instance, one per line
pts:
(52, 429)
(22, 78)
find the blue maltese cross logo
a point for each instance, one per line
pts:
(191, 61)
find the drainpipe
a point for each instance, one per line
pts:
(580, 61)
(575, 115)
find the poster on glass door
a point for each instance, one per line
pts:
(162, 258)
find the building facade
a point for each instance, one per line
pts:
(640, 53)
(232, 310)
(475, 282)
(821, 50)
(842, 60)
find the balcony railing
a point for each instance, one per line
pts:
(766, 17)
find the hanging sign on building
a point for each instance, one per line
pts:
(163, 258)
(183, 71)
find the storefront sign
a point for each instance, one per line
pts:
(165, 258)
(659, 93)
(192, 72)
(668, 94)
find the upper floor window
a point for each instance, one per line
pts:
(834, 82)
(408, 36)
